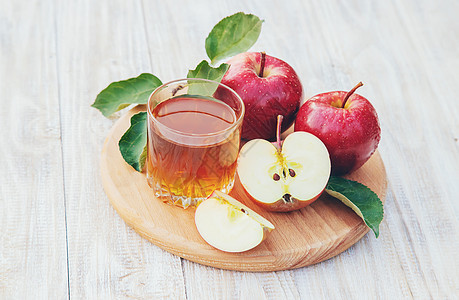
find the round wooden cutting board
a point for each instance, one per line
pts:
(303, 237)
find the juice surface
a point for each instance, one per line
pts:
(194, 115)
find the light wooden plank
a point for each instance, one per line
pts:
(384, 51)
(418, 133)
(100, 42)
(33, 259)
(405, 52)
(398, 51)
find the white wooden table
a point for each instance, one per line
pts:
(59, 236)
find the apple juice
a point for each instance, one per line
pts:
(191, 151)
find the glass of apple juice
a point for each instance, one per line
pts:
(194, 129)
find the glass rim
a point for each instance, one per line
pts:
(216, 133)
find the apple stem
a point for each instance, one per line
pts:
(262, 67)
(278, 132)
(349, 94)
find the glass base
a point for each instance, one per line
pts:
(184, 201)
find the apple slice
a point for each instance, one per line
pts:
(228, 225)
(284, 177)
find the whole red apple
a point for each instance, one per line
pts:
(269, 87)
(346, 123)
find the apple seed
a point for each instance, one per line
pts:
(291, 172)
(276, 177)
(287, 197)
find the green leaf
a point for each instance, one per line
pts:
(232, 35)
(121, 94)
(133, 143)
(205, 71)
(360, 198)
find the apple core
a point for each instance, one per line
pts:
(288, 178)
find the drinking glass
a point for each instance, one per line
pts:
(194, 130)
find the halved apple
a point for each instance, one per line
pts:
(284, 177)
(228, 225)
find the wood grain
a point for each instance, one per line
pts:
(106, 259)
(56, 56)
(32, 205)
(304, 237)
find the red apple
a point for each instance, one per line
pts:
(284, 176)
(269, 87)
(346, 123)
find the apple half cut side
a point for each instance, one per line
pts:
(228, 225)
(287, 177)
